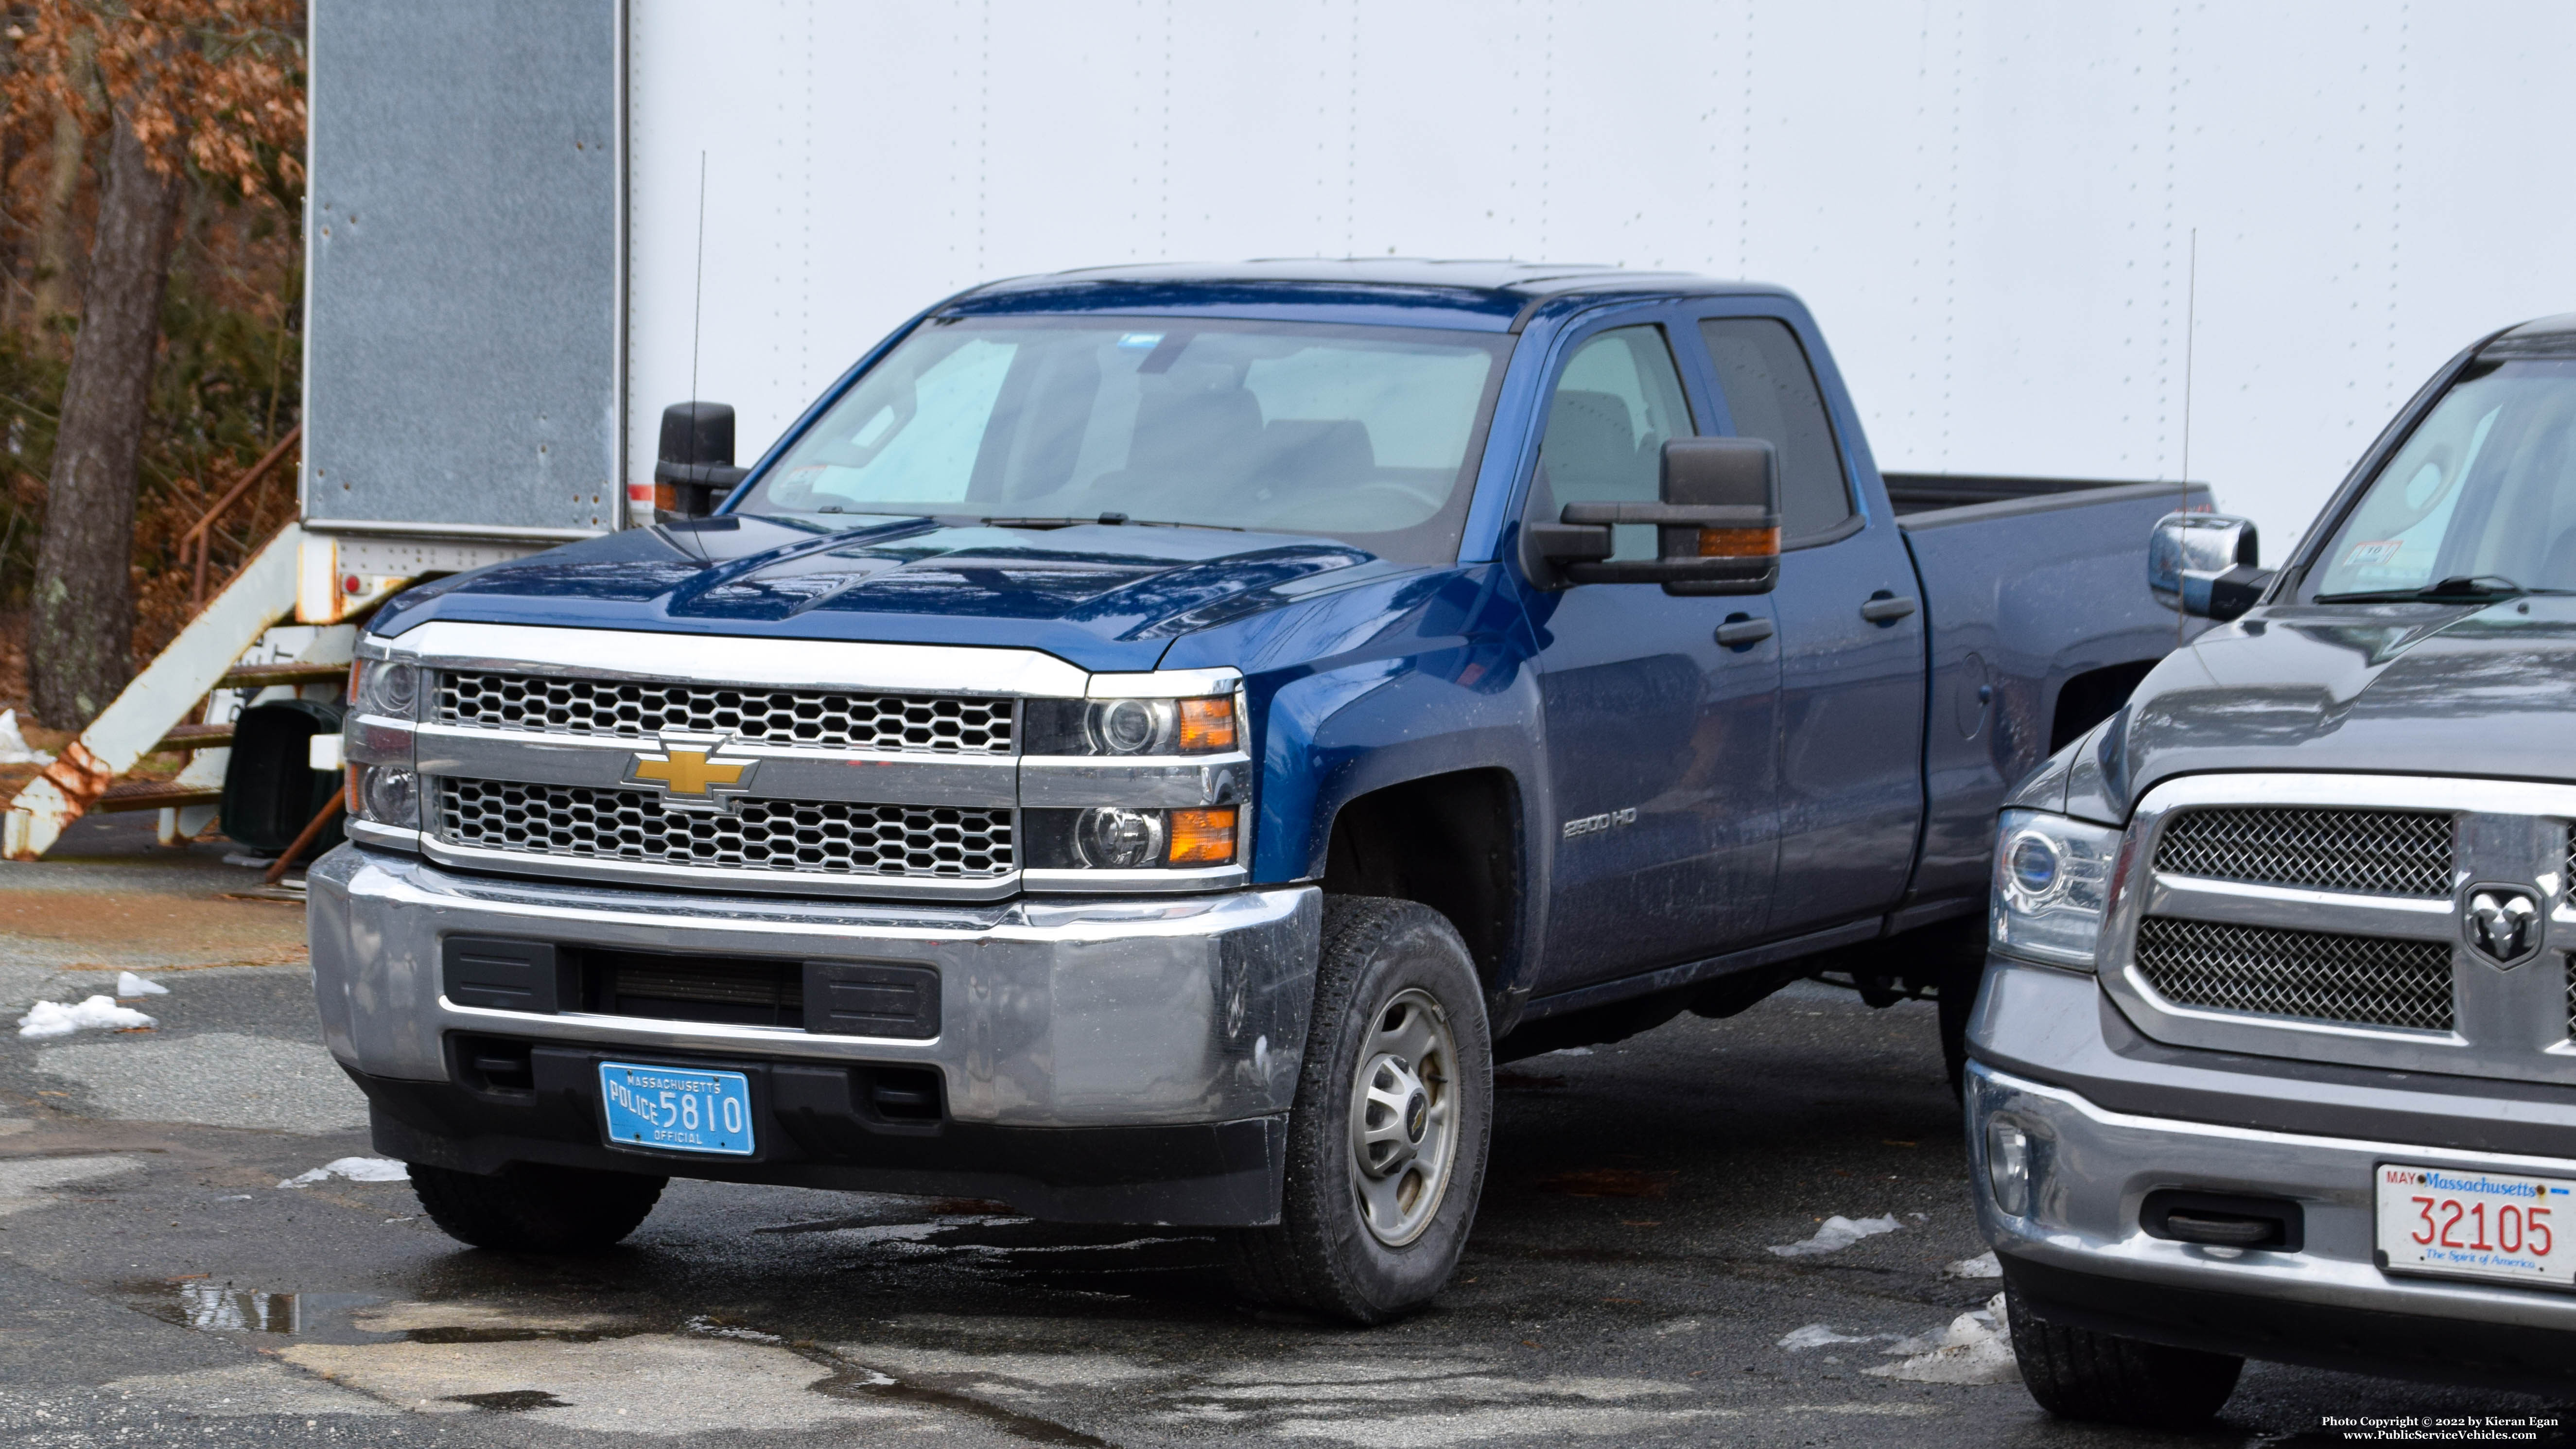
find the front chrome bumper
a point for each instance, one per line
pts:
(2093, 1168)
(1053, 1014)
(2113, 1116)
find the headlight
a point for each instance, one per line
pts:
(1113, 837)
(385, 795)
(2052, 884)
(388, 687)
(1203, 726)
(1110, 838)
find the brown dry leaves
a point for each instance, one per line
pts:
(217, 82)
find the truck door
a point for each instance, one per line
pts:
(1851, 644)
(1660, 739)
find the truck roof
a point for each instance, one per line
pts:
(2539, 337)
(1484, 296)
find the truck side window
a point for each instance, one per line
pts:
(1618, 400)
(1771, 390)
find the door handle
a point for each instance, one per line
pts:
(1885, 608)
(1743, 631)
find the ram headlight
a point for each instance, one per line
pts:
(2052, 886)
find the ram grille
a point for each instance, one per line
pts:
(2313, 975)
(2377, 852)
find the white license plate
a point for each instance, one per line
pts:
(2493, 1226)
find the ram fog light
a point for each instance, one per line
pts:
(1111, 837)
(385, 795)
(2008, 1166)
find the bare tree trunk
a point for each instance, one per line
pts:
(81, 644)
(54, 218)
(70, 149)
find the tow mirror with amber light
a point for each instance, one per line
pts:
(1717, 527)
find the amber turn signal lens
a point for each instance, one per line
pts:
(1738, 542)
(666, 498)
(349, 795)
(1202, 837)
(1207, 727)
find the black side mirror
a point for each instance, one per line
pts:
(696, 470)
(1717, 527)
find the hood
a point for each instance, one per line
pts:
(2418, 689)
(1104, 597)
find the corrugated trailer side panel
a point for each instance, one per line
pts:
(461, 365)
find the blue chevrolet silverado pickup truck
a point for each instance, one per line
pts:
(1146, 742)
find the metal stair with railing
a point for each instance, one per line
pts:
(152, 714)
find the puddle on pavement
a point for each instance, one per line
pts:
(508, 1401)
(212, 1307)
(232, 1310)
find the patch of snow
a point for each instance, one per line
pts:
(703, 1324)
(1981, 1266)
(52, 1018)
(129, 984)
(1975, 1349)
(1837, 1233)
(1817, 1335)
(355, 1169)
(14, 749)
(1678, 1325)
(1568, 1052)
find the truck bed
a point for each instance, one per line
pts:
(2034, 589)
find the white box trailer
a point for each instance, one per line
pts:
(2124, 240)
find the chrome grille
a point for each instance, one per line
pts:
(817, 837)
(626, 709)
(2317, 975)
(2381, 852)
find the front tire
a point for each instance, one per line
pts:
(530, 1208)
(1387, 1138)
(2076, 1373)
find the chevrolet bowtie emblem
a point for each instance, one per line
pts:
(690, 774)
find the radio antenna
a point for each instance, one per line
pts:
(2190, 329)
(698, 304)
(2190, 326)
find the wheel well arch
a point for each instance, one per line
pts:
(1450, 841)
(2085, 700)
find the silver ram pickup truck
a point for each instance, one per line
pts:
(2273, 1056)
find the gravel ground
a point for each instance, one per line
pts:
(157, 1284)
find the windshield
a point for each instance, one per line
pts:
(2481, 501)
(1368, 435)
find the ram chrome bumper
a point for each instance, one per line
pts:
(1154, 1021)
(2081, 1255)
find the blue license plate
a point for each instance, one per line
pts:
(677, 1109)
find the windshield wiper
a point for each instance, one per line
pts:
(2463, 588)
(1114, 519)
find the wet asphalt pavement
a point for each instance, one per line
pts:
(158, 1284)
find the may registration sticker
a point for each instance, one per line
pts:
(2477, 1225)
(677, 1109)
